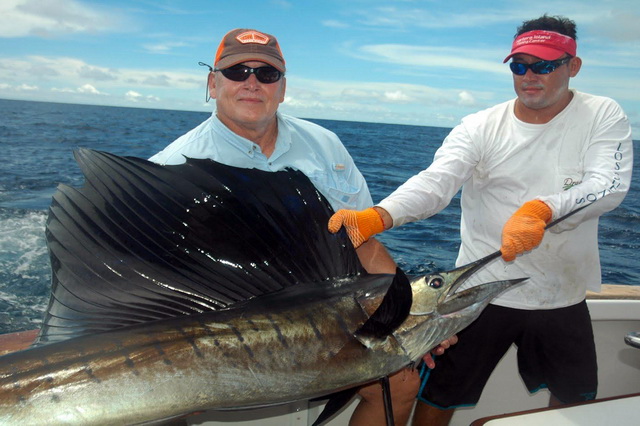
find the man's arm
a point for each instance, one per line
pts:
(375, 258)
(607, 167)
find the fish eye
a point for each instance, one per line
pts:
(436, 282)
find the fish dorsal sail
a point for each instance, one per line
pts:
(140, 241)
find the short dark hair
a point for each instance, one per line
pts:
(558, 24)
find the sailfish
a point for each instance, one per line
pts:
(183, 288)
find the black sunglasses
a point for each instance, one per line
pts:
(266, 75)
(540, 67)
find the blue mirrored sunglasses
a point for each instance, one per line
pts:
(540, 67)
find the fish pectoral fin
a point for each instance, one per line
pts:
(336, 402)
(392, 312)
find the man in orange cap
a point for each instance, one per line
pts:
(521, 164)
(247, 130)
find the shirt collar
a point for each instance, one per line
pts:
(249, 148)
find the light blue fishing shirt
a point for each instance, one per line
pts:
(301, 145)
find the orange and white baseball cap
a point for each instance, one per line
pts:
(243, 45)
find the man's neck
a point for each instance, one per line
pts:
(542, 115)
(264, 136)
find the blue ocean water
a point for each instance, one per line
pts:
(37, 140)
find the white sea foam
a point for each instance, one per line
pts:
(22, 243)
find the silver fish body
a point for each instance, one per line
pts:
(286, 348)
(225, 359)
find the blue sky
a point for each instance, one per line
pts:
(403, 61)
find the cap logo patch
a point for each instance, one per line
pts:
(252, 37)
(542, 37)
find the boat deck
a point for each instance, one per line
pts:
(616, 291)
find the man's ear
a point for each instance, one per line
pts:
(211, 85)
(284, 89)
(574, 66)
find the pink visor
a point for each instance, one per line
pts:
(547, 45)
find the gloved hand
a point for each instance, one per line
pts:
(524, 229)
(360, 225)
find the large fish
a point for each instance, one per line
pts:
(177, 289)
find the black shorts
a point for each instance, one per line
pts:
(556, 350)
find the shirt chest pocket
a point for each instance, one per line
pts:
(571, 167)
(336, 188)
(570, 163)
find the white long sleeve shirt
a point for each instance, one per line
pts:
(583, 154)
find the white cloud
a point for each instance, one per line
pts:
(26, 87)
(163, 48)
(400, 18)
(136, 97)
(133, 96)
(23, 18)
(87, 88)
(615, 18)
(332, 23)
(397, 96)
(97, 73)
(70, 71)
(428, 56)
(63, 90)
(369, 92)
(466, 98)
(390, 102)
(56, 78)
(84, 89)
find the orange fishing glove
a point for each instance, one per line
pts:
(524, 229)
(360, 225)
